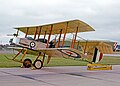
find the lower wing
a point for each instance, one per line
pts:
(66, 53)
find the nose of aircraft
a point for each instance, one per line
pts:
(14, 40)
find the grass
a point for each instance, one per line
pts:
(5, 63)
(110, 60)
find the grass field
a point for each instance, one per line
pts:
(5, 63)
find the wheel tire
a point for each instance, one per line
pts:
(38, 64)
(27, 63)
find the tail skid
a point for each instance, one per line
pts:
(99, 67)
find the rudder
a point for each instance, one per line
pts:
(97, 56)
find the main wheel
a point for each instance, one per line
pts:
(38, 64)
(27, 63)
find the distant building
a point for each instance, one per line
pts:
(118, 48)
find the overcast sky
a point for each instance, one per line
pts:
(102, 15)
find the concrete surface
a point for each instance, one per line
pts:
(59, 76)
(113, 55)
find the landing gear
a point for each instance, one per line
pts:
(38, 64)
(27, 63)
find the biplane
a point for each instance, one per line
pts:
(49, 40)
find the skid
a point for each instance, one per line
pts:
(99, 67)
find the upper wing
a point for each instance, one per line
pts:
(56, 27)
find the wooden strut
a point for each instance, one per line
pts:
(26, 32)
(39, 32)
(64, 34)
(85, 47)
(17, 54)
(35, 33)
(45, 34)
(49, 57)
(23, 55)
(78, 45)
(59, 38)
(74, 39)
(38, 56)
(17, 32)
(49, 35)
(55, 40)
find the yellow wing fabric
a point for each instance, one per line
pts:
(66, 53)
(58, 52)
(89, 46)
(56, 27)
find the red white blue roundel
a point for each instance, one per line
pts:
(70, 53)
(32, 44)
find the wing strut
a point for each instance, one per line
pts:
(64, 35)
(74, 39)
(17, 32)
(35, 33)
(59, 38)
(85, 47)
(27, 29)
(45, 34)
(39, 32)
(49, 35)
(49, 57)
